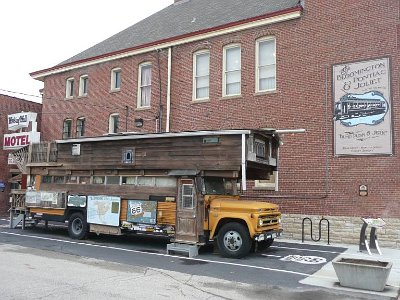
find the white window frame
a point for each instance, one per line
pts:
(114, 79)
(80, 126)
(225, 72)
(184, 197)
(82, 85)
(141, 86)
(70, 129)
(196, 76)
(111, 123)
(258, 67)
(69, 88)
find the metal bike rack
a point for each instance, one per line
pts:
(319, 227)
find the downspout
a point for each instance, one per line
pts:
(327, 161)
(160, 108)
(167, 126)
(244, 186)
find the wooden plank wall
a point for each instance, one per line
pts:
(160, 153)
(123, 191)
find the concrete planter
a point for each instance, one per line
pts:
(362, 273)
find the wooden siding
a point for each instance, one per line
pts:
(123, 191)
(161, 153)
(166, 213)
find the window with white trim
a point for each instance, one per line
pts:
(232, 70)
(187, 196)
(69, 88)
(144, 90)
(266, 64)
(67, 129)
(80, 127)
(270, 184)
(113, 123)
(83, 85)
(201, 75)
(116, 79)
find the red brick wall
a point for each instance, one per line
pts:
(311, 179)
(10, 105)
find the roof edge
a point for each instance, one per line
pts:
(176, 40)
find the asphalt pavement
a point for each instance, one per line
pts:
(46, 264)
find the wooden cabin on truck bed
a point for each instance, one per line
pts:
(183, 185)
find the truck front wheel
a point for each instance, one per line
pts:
(77, 226)
(234, 240)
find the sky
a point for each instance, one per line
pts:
(38, 34)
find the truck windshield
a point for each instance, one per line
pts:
(219, 186)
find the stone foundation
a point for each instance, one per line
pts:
(343, 230)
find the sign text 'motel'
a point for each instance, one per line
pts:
(19, 140)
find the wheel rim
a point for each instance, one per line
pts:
(233, 240)
(77, 226)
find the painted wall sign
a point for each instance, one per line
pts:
(103, 210)
(20, 139)
(140, 211)
(43, 199)
(20, 120)
(76, 201)
(362, 108)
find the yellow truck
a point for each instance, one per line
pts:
(183, 185)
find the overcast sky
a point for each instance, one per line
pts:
(38, 34)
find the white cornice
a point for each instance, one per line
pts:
(179, 41)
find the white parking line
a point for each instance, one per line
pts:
(270, 255)
(306, 249)
(155, 254)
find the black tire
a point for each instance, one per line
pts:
(261, 246)
(234, 240)
(77, 226)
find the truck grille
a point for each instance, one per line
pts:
(270, 220)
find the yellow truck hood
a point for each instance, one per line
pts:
(234, 204)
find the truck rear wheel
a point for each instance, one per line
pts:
(261, 246)
(234, 240)
(77, 226)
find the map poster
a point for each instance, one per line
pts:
(103, 210)
(362, 108)
(142, 211)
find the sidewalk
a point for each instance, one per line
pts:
(326, 277)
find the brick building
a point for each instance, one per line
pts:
(8, 106)
(330, 67)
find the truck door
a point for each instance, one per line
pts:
(187, 219)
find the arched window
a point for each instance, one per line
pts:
(232, 70)
(144, 89)
(201, 75)
(266, 64)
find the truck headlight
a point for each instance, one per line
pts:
(260, 222)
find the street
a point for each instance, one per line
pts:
(46, 263)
